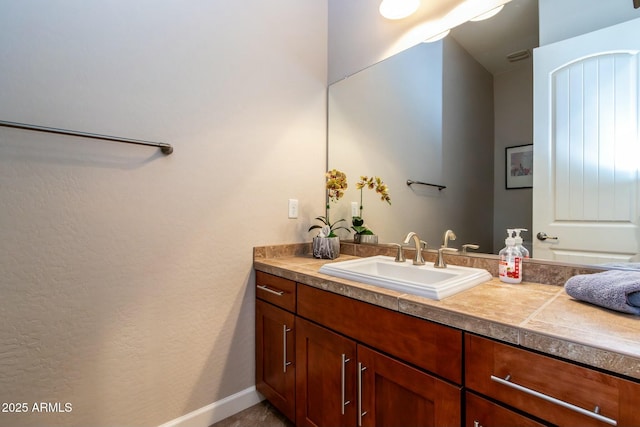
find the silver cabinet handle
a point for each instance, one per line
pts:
(361, 414)
(342, 381)
(593, 414)
(285, 363)
(543, 236)
(264, 288)
(476, 423)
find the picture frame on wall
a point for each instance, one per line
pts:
(519, 166)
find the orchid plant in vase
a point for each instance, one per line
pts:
(372, 183)
(322, 248)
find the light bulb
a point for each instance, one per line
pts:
(398, 9)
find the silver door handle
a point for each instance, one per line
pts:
(543, 236)
(593, 414)
(342, 381)
(285, 363)
(361, 369)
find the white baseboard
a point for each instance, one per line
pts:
(219, 410)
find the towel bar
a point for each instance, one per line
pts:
(440, 187)
(164, 147)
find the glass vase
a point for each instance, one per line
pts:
(326, 247)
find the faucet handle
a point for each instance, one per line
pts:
(400, 253)
(469, 246)
(440, 259)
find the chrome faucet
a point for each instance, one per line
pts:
(448, 235)
(418, 259)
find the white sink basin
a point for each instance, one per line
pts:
(424, 280)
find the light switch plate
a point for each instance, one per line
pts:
(293, 208)
(354, 209)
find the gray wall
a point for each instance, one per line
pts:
(513, 94)
(468, 148)
(386, 121)
(561, 20)
(125, 275)
(393, 121)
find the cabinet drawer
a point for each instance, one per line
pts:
(483, 413)
(557, 391)
(430, 346)
(276, 290)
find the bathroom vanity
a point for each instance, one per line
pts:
(332, 351)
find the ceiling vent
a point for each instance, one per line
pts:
(519, 55)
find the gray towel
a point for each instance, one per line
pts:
(614, 289)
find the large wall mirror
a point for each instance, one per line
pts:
(443, 113)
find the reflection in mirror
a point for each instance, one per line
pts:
(427, 114)
(444, 113)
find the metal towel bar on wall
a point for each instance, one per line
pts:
(440, 187)
(164, 147)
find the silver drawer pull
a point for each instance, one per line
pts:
(558, 402)
(264, 288)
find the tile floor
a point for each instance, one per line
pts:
(261, 415)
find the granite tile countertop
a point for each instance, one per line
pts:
(537, 316)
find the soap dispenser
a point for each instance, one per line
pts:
(524, 251)
(510, 267)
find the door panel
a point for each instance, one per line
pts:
(325, 377)
(586, 147)
(275, 356)
(394, 394)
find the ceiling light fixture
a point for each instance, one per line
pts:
(493, 12)
(398, 9)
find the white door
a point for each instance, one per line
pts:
(586, 147)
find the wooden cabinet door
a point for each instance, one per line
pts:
(483, 413)
(325, 377)
(393, 394)
(275, 356)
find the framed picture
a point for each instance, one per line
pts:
(519, 167)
